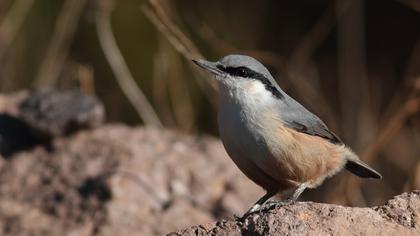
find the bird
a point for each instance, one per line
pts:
(273, 139)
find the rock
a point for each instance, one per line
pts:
(400, 216)
(33, 118)
(140, 181)
(120, 180)
(54, 113)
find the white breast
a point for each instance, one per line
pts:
(241, 123)
(241, 112)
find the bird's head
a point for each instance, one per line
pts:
(241, 72)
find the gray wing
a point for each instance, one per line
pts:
(295, 116)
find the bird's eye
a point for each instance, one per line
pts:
(241, 72)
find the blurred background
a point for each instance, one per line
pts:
(356, 64)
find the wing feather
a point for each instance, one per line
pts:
(297, 117)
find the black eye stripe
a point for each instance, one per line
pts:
(239, 71)
(248, 73)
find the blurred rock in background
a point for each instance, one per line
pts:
(36, 117)
(120, 180)
(57, 113)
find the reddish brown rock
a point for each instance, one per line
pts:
(400, 216)
(120, 180)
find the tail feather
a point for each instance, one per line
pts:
(361, 169)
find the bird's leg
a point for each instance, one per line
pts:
(268, 205)
(297, 192)
(258, 204)
(292, 199)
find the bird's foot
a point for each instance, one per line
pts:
(268, 205)
(288, 201)
(253, 209)
(271, 204)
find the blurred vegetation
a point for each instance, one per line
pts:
(356, 64)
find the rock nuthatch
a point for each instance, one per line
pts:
(273, 139)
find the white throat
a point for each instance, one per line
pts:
(247, 93)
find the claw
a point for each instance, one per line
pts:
(271, 204)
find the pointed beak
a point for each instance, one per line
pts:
(210, 66)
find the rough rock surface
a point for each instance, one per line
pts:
(400, 216)
(120, 180)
